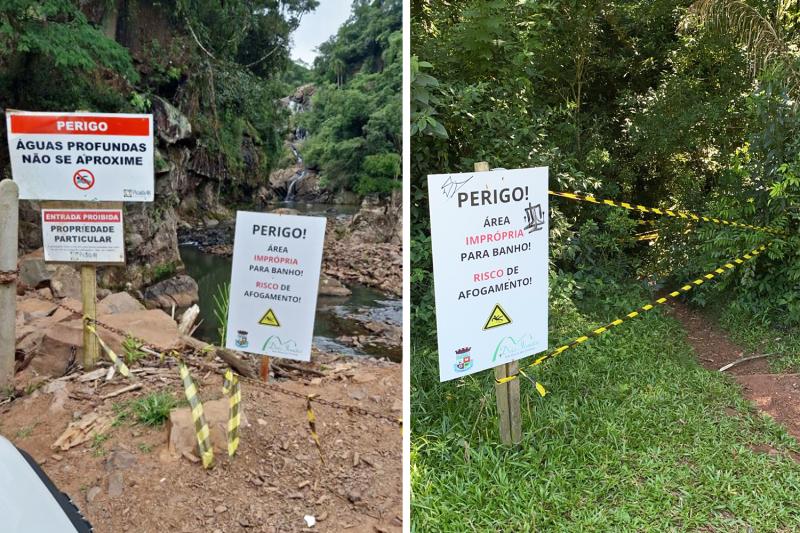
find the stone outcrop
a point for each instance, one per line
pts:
(179, 292)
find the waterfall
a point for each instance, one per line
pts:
(298, 177)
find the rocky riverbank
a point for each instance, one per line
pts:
(363, 248)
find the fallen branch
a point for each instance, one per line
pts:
(289, 366)
(745, 359)
(234, 361)
(188, 319)
(123, 390)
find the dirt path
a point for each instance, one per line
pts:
(778, 395)
(131, 483)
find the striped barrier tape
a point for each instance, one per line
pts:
(647, 307)
(663, 212)
(312, 425)
(121, 367)
(233, 390)
(200, 425)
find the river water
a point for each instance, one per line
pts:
(335, 317)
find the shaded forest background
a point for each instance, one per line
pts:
(682, 105)
(224, 66)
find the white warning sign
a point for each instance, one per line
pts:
(489, 233)
(83, 236)
(274, 284)
(81, 156)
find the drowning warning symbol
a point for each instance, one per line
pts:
(497, 318)
(269, 319)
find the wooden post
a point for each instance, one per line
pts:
(9, 228)
(264, 368)
(507, 393)
(91, 348)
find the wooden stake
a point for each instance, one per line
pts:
(264, 368)
(91, 348)
(9, 227)
(508, 410)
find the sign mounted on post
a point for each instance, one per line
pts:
(91, 235)
(489, 233)
(274, 284)
(81, 156)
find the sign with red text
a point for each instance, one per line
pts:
(489, 233)
(274, 284)
(83, 236)
(81, 156)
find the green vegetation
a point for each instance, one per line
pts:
(632, 436)
(132, 350)
(223, 65)
(98, 439)
(355, 123)
(677, 105)
(222, 300)
(660, 103)
(150, 410)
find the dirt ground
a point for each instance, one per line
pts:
(130, 481)
(775, 394)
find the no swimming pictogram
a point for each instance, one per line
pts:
(83, 179)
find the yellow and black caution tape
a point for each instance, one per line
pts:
(200, 425)
(663, 212)
(647, 307)
(312, 425)
(121, 367)
(233, 390)
(651, 236)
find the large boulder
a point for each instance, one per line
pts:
(33, 271)
(62, 341)
(119, 302)
(171, 125)
(179, 291)
(329, 286)
(65, 282)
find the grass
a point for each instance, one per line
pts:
(25, 432)
(97, 444)
(150, 410)
(145, 448)
(633, 436)
(759, 338)
(132, 351)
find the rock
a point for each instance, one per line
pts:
(170, 124)
(181, 427)
(32, 308)
(116, 484)
(33, 271)
(58, 344)
(211, 222)
(354, 496)
(329, 286)
(358, 394)
(180, 291)
(59, 340)
(285, 211)
(118, 302)
(120, 460)
(93, 493)
(220, 509)
(65, 282)
(363, 377)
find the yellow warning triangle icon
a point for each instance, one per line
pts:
(269, 319)
(497, 318)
